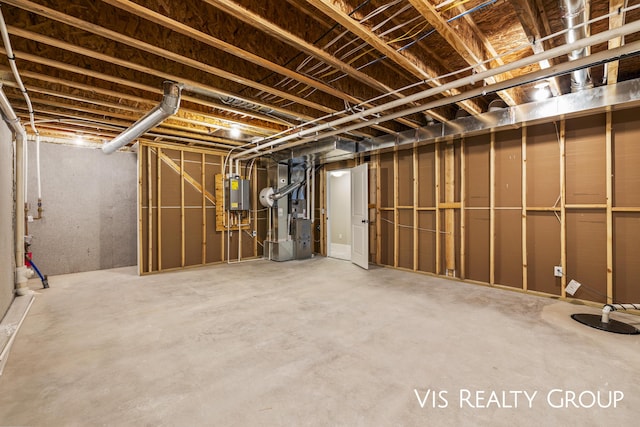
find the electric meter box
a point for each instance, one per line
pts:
(237, 194)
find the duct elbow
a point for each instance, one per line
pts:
(168, 106)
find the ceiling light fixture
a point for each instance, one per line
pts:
(542, 91)
(234, 132)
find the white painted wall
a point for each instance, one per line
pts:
(90, 203)
(340, 208)
(7, 254)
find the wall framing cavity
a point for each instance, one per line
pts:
(504, 208)
(177, 210)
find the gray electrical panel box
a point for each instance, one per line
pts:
(237, 194)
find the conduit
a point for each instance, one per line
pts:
(316, 131)
(596, 59)
(574, 16)
(168, 106)
(18, 79)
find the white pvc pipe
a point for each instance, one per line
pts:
(14, 69)
(38, 166)
(478, 77)
(505, 84)
(25, 153)
(608, 308)
(312, 194)
(21, 272)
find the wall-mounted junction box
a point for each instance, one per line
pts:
(557, 271)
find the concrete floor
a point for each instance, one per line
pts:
(317, 342)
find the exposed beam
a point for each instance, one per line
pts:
(163, 53)
(143, 105)
(147, 47)
(29, 35)
(245, 15)
(131, 84)
(510, 96)
(462, 39)
(224, 46)
(615, 21)
(227, 47)
(419, 70)
(66, 111)
(535, 28)
(241, 13)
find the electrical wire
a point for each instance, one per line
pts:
(415, 228)
(471, 68)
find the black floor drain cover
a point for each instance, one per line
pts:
(595, 321)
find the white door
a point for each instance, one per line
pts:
(360, 216)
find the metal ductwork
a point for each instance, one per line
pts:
(168, 107)
(574, 15)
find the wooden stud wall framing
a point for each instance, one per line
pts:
(567, 221)
(437, 203)
(159, 198)
(378, 212)
(416, 202)
(405, 206)
(609, 205)
(492, 209)
(175, 189)
(204, 208)
(182, 224)
(449, 213)
(463, 220)
(524, 209)
(396, 215)
(563, 212)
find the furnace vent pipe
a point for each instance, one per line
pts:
(168, 107)
(573, 16)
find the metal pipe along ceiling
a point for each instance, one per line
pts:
(327, 129)
(168, 107)
(574, 15)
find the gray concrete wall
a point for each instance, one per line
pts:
(89, 201)
(7, 263)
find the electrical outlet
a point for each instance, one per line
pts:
(557, 271)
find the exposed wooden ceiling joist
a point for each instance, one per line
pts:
(614, 22)
(276, 66)
(463, 39)
(418, 69)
